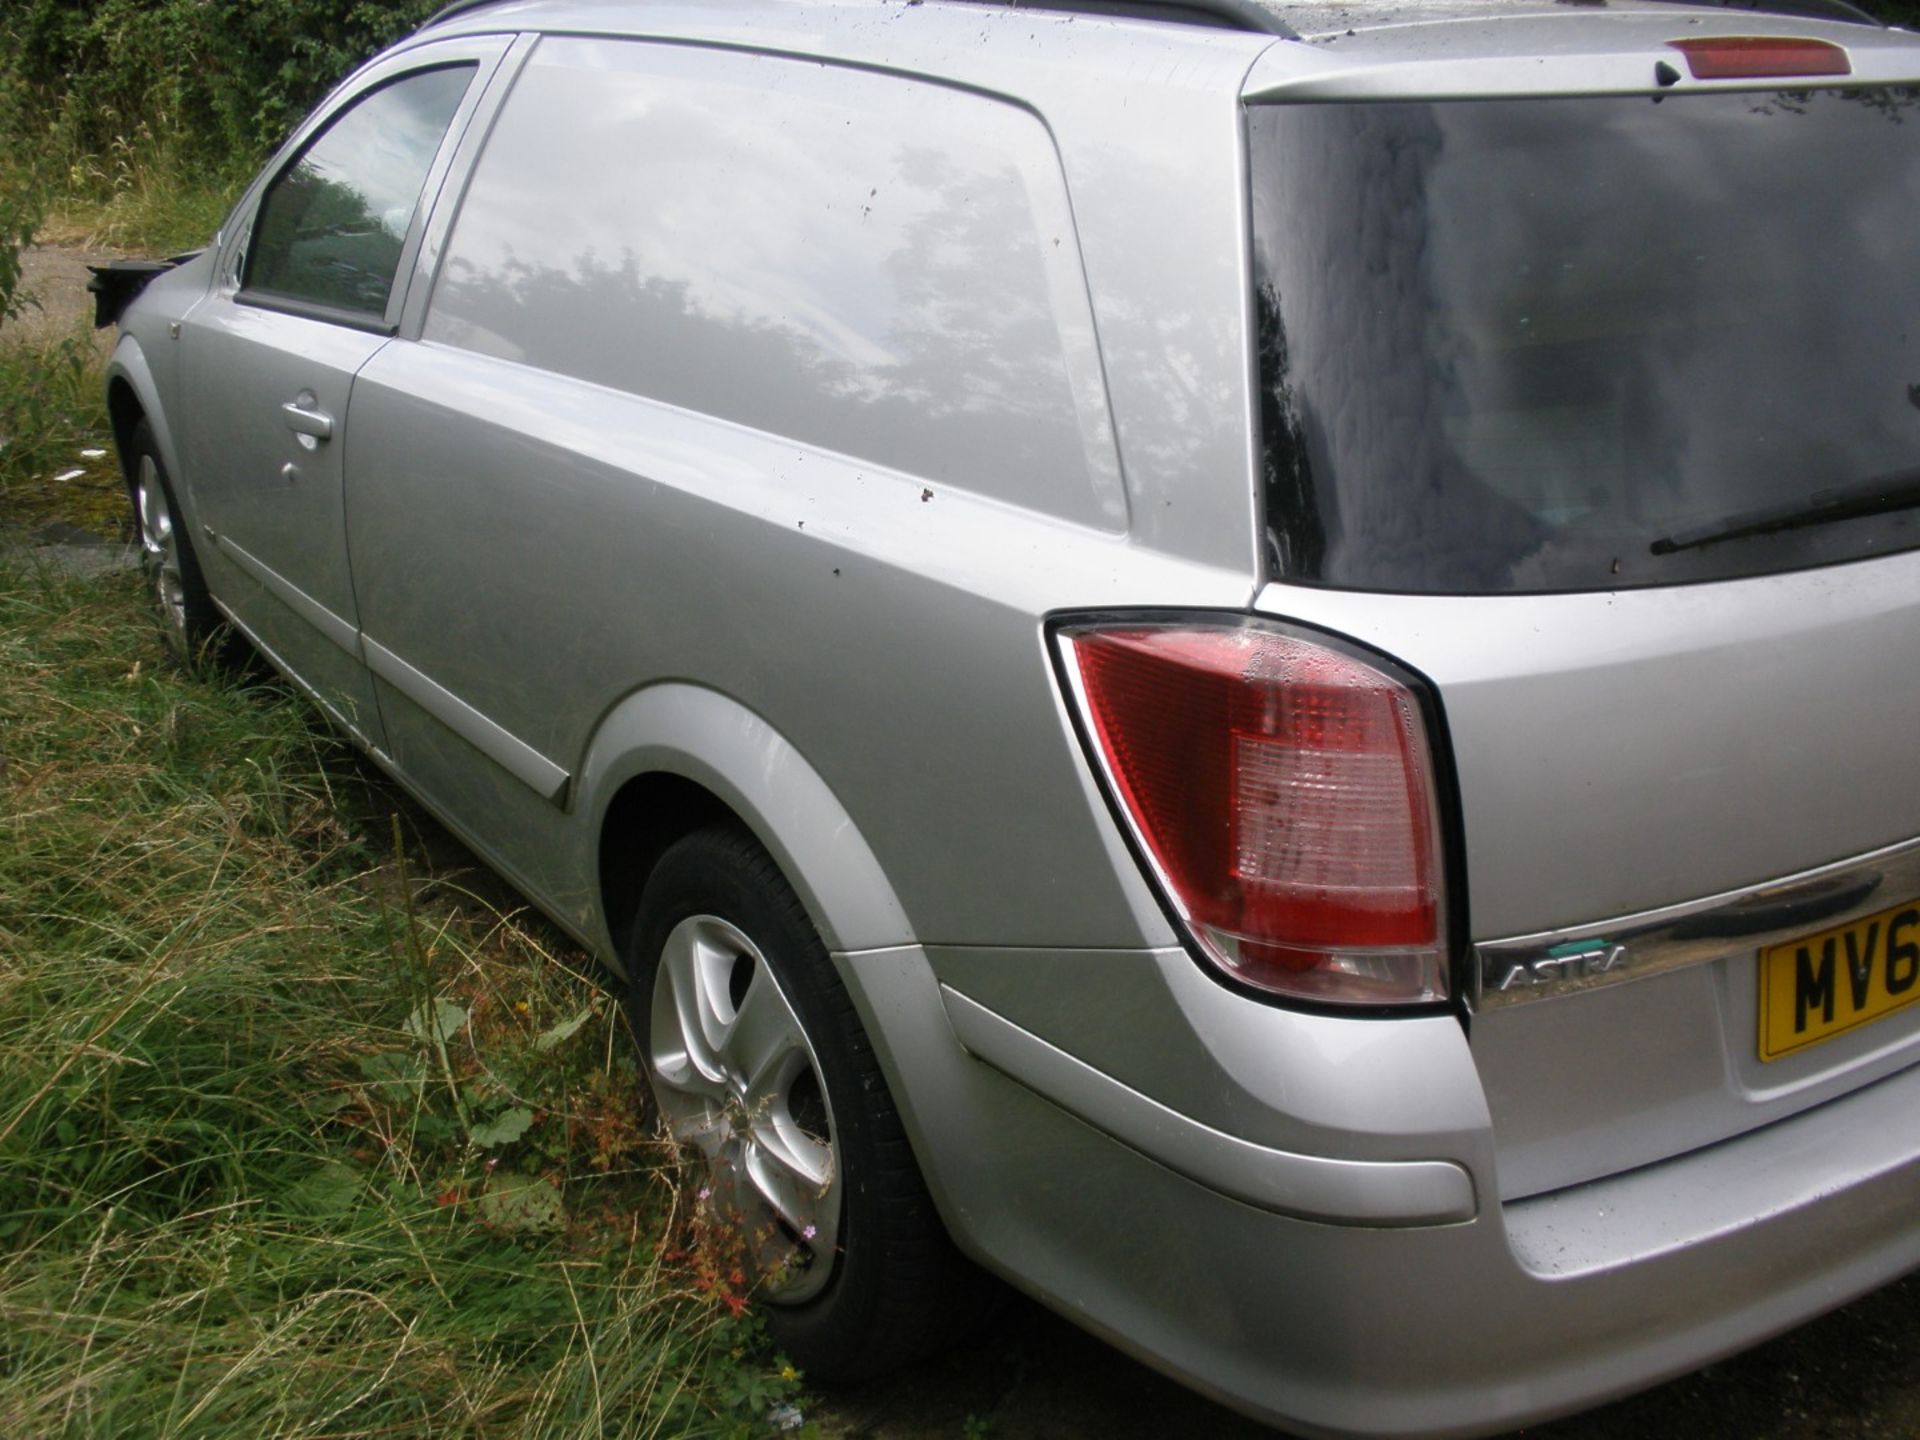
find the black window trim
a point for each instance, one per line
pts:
(313, 310)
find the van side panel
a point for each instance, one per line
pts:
(747, 365)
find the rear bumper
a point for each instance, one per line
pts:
(1306, 1187)
(1383, 1325)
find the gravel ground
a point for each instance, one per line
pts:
(56, 276)
(1851, 1375)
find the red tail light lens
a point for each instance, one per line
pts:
(1761, 57)
(1284, 792)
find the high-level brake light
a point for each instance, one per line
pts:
(1761, 57)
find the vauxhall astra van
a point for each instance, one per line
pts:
(1254, 663)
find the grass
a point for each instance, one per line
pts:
(56, 461)
(147, 197)
(300, 1133)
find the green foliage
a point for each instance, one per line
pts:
(229, 78)
(139, 120)
(298, 1135)
(17, 224)
(1894, 12)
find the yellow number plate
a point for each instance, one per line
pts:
(1827, 984)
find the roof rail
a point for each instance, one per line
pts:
(1269, 19)
(1230, 14)
(1227, 14)
(1841, 10)
(458, 7)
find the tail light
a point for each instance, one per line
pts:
(1284, 793)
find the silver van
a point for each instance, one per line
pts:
(1256, 664)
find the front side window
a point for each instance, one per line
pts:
(1582, 344)
(332, 226)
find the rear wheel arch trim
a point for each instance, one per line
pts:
(703, 737)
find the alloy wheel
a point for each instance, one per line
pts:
(160, 546)
(738, 1081)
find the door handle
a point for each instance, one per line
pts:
(303, 420)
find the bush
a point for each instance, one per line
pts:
(224, 78)
(17, 223)
(227, 79)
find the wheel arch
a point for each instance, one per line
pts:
(133, 396)
(675, 757)
(124, 414)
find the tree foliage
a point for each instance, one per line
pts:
(227, 78)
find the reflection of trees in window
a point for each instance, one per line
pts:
(319, 241)
(331, 228)
(961, 377)
(1296, 529)
(1484, 366)
(1891, 102)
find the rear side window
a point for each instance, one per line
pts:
(871, 265)
(332, 226)
(1531, 345)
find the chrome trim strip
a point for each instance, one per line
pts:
(1309, 1187)
(1656, 942)
(339, 631)
(505, 749)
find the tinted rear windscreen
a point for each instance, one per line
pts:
(1552, 344)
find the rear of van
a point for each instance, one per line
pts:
(1588, 361)
(1604, 415)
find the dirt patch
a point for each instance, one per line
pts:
(55, 276)
(66, 472)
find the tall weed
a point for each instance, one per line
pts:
(298, 1135)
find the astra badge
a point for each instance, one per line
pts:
(1576, 960)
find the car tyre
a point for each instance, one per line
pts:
(765, 1077)
(192, 625)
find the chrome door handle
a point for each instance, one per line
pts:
(303, 421)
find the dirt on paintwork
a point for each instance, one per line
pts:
(1851, 1375)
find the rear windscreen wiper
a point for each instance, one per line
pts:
(1881, 495)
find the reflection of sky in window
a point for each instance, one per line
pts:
(749, 237)
(810, 270)
(383, 146)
